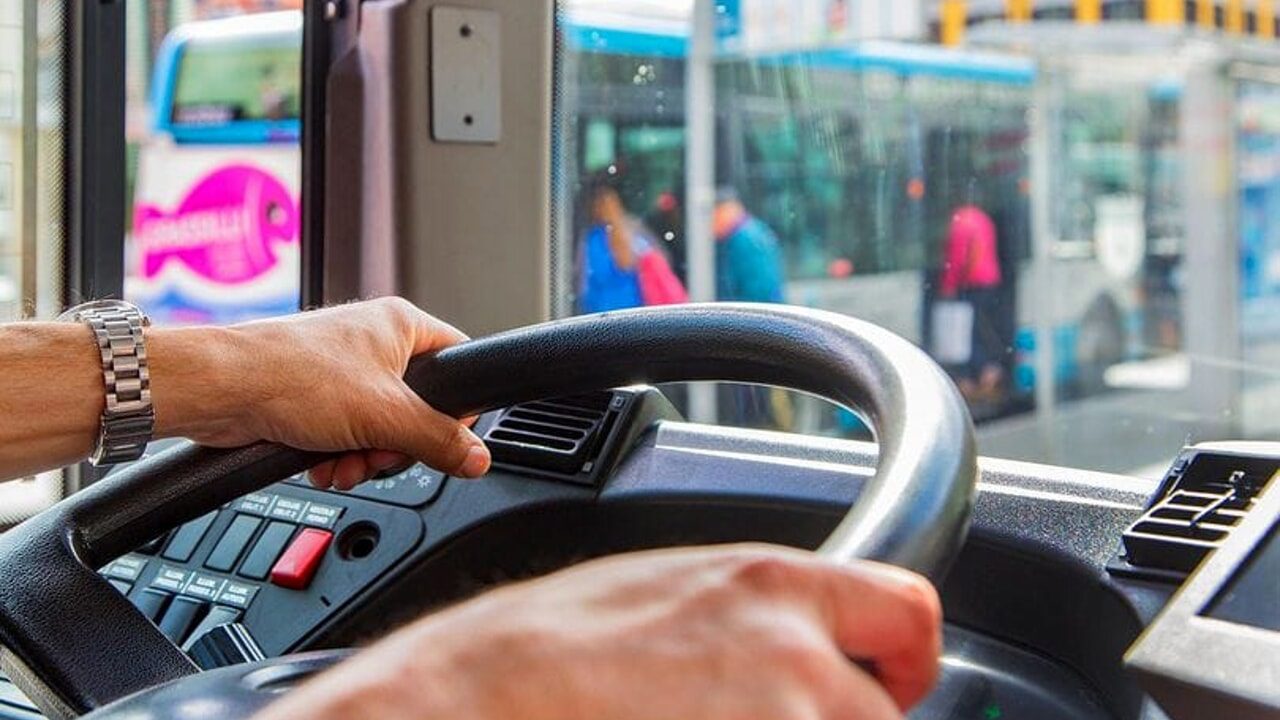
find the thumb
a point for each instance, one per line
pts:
(416, 429)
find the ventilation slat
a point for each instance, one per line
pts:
(560, 436)
(549, 419)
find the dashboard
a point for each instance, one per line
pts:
(1040, 613)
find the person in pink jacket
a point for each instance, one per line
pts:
(971, 273)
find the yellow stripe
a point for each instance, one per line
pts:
(1166, 12)
(1266, 14)
(1018, 10)
(1234, 23)
(1204, 14)
(1088, 12)
(954, 16)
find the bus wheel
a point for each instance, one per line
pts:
(1100, 344)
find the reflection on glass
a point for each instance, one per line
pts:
(1023, 207)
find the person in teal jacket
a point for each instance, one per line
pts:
(749, 264)
(749, 268)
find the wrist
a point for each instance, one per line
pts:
(198, 383)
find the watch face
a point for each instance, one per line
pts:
(78, 311)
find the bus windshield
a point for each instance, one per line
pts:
(225, 82)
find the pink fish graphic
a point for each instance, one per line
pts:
(225, 229)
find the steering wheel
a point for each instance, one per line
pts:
(73, 643)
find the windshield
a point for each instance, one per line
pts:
(1073, 215)
(221, 82)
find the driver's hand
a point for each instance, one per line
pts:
(740, 632)
(328, 380)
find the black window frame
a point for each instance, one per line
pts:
(95, 198)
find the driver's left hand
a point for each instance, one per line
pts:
(328, 380)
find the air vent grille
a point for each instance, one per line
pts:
(561, 437)
(1203, 497)
(1179, 531)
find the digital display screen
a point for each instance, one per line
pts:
(1252, 596)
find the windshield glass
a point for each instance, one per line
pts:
(220, 82)
(1072, 211)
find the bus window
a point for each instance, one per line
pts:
(213, 235)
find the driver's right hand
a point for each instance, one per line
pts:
(745, 632)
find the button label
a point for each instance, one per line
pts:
(204, 586)
(125, 568)
(237, 594)
(170, 578)
(255, 503)
(287, 509)
(324, 516)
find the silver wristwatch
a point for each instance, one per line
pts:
(128, 419)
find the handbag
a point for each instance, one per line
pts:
(658, 282)
(952, 337)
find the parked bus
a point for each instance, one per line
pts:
(215, 234)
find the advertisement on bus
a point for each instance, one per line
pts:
(216, 221)
(218, 240)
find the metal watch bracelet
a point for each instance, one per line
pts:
(128, 419)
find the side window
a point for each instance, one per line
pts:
(33, 126)
(213, 223)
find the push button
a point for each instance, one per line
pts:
(266, 550)
(232, 544)
(182, 615)
(186, 538)
(151, 603)
(218, 615)
(295, 568)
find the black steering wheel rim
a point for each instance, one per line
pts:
(913, 513)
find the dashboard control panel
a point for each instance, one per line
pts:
(288, 552)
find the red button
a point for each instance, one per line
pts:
(298, 564)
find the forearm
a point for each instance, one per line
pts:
(53, 419)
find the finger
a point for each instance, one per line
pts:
(890, 618)
(386, 461)
(321, 476)
(418, 430)
(349, 471)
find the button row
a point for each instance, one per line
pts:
(289, 509)
(182, 619)
(205, 587)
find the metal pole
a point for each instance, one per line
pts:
(1043, 117)
(700, 178)
(28, 201)
(1211, 297)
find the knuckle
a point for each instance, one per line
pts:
(763, 571)
(395, 303)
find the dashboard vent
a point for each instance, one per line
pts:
(561, 438)
(1202, 498)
